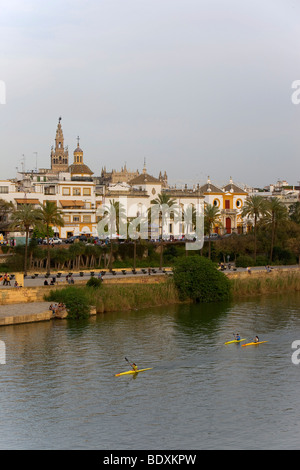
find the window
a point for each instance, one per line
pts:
(67, 218)
(66, 191)
(216, 203)
(3, 189)
(227, 203)
(76, 192)
(238, 203)
(86, 218)
(86, 191)
(76, 218)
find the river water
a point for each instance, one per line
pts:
(58, 388)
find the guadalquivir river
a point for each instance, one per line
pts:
(58, 389)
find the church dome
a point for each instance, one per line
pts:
(80, 169)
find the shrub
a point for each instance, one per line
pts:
(198, 279)
(283, 256)
(94, 282)
(261, 260)
(75, 299)
(244, 261)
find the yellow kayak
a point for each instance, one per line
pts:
(235, 341)
(252, 344)
(132, 372)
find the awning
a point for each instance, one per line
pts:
(72, 203)
(27, 201)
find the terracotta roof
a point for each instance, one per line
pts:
(79, 169)
(234, 188)
(144, 178)
(210, 188)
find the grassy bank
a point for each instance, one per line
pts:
(265, 283)
(113, 297)
(126, 297)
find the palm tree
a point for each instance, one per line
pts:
(211, 217)
(115, 214)
(50, 215)
(276, 212)
(23, 219)
(255, 207)
(137, 225)
(161, 202)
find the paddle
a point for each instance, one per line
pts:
(129, 363)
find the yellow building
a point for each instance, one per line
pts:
(229, 200)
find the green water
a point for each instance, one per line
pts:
(58, 387)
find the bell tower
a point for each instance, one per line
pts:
(59, 155)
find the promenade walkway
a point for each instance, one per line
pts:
(24, 313)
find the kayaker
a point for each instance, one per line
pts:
(134, 366)
(237, 336)
(256, 339)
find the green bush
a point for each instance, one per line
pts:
(283, 256)
(198, 279)
(261, 260)
(94, 282)
(244, 261)
(75, 299)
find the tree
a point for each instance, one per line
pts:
(115, 215)
(211, 217)
(49, 215)
(162, 204)
(294, 212)
(76, 300)
(254, 207)
(23, 219)
(6, 208)
(276, 212)
(198, 279)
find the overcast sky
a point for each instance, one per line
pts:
(195, 87)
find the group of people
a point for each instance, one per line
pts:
(6, 279)
(238, 338)
(52, 282)
(57, 307)
(69, 279)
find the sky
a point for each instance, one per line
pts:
(195, 88)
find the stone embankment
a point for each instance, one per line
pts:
(26, 304)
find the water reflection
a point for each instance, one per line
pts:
(59, 391)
